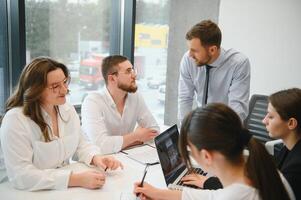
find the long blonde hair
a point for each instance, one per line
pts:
(32, 82)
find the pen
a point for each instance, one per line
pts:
(106, 169)
(124, 152)
(154, 163)
(141, 183)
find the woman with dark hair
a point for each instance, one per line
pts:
(217, 139)
(283, 121)
(40, 132)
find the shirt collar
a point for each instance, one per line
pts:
(220, 59)
(296, 147)
(45, 114)
(63, 109)
(109, 98)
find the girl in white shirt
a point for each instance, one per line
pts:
(217, 138)
(40, 132)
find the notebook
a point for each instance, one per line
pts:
(144, 154)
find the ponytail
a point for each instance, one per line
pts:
(216, 127)
(261, 169)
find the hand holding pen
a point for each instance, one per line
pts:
(147, 191)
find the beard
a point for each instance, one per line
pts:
(127, 88)
(205, 61)
(201, 63)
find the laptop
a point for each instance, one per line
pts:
(172, 165)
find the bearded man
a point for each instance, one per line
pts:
(109, 117)
(211, 74)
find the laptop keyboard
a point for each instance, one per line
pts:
(194, 171)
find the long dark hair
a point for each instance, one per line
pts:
(217, 127)
(32, 82)
(287, 103)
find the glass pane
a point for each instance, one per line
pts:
(151, 35)
(3, 59)
(2, 90)
(75, 32)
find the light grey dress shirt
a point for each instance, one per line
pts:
(104, 125)
(229, 82)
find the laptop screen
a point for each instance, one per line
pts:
(168, 152)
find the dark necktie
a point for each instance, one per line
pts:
(205, 94)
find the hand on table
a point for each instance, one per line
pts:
(145, 134)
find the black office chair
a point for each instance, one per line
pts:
(257, 110)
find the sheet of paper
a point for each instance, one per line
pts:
(144, 154)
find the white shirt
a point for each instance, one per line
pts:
(235, 191)
(2, 167)
(33, 164)
(104, 125)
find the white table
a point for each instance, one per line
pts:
(117, 182)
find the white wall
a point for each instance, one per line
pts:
(269, 33)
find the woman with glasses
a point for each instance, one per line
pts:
(217, 138)
(40, 133)
(283, 121)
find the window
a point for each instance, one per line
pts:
(74, 32)
(166, 22)
(151, 34)
(4, 89)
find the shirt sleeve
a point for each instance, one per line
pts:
(192, 194)
(145, 117)
(85, 149)
(186, 88)
(239, 91)
(213, 183)
(18, 155)
(94, 126)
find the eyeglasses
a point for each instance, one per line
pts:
(132, 71)
(56, 87)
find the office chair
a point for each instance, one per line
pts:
(257, 110)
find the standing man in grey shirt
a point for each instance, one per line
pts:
(212, 73)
